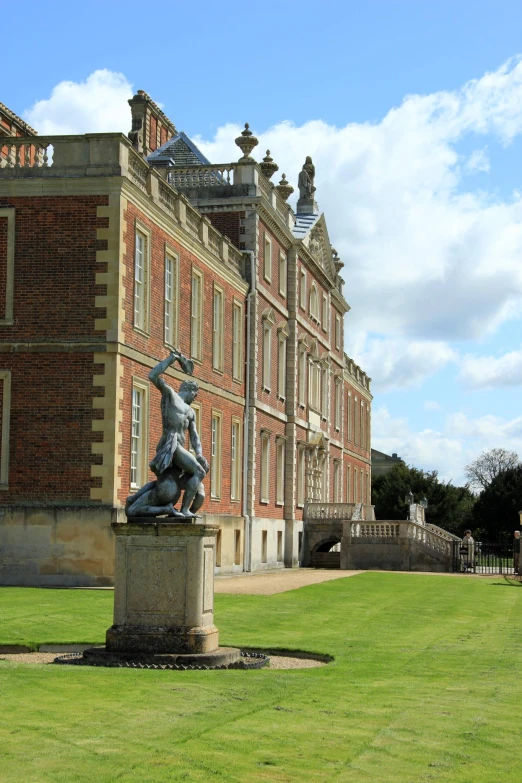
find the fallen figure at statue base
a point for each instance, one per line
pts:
(159, 498)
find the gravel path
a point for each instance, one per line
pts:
(276, 661)
(271, 582)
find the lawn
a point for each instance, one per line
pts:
(425, 686)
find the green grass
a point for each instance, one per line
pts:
(425, 686)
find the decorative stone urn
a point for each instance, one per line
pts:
(246, 143)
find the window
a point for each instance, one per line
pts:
(302, 376)
(314, 303)
(337, 332)
(215, 455)
(300, 476)
(235, 459)
(279, 546)
(267, 265)
(281, 365)
(336, 481)
(348, 485)
(237, 547)
(282, 274)
(361, 424)
(265, 467)
(217, 331)
(325, 389)
(267, 354)
(315, 385)
(141, 274)
(350, 417)
(171, 304)
(264, 541)
(357, 422)
(368, 498)
(302, 289)
(5, 410)
(324, 481)
(324, 318)
(280, 472)
(139, 439)
(368, 428)
(196, 316)
(337, 403)
(355, 485)
(237, 340)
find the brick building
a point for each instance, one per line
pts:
(113, 250)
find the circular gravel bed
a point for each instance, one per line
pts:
(276, 661)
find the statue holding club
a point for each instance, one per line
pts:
(177, 470)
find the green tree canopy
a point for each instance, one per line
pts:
(497, 507)
(449, 507)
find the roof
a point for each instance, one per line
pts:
(303, 224)
(15, 118)
(178, 151)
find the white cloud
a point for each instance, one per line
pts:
(481, 372)
(96, 105)
(478, 161)
(459, 442)
(397, 363)
(431, 405)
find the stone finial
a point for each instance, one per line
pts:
(246, 143)
(268, 167)
(284, 188)
(337, 261)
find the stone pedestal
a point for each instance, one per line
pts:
(163, 589)
(307, 206)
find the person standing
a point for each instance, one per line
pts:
(467, 551)
(516, 550)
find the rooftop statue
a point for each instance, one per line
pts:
(306, 179)
(175, 467)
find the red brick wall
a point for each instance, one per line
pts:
(55, 267)
(228, 223)
(51, 427)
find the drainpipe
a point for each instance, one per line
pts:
(247, 565)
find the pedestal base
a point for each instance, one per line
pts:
(223, 656)
(131, 639)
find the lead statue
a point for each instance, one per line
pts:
(306, 178)
(175, 467)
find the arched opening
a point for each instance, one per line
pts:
(327, 554)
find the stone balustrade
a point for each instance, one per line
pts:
(22, 153)
(111, 154)
(337, 511)
(438, 541)
(199, 177)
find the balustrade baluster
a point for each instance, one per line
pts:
(18, 156)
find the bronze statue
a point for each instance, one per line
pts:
(175, 467)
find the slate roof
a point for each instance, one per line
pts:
(303, 224)
(178, 151)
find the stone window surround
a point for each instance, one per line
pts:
(216, 452)
(174, 305)
(141, 228)
(218, 334)
(196, 319)
(237, 463)
(142, 463)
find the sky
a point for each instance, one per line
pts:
(412, 112)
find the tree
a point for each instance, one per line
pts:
(449, 507)
(482, 471)
(496, 510)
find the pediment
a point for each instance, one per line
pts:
(314, 236)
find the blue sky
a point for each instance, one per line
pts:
(413, 114)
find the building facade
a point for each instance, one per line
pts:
(113, 251)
